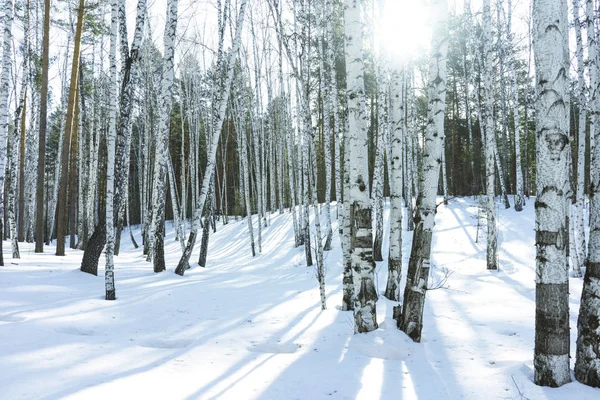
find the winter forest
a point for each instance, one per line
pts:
(300, 199)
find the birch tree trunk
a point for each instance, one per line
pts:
(129, 58)
(410, 320)
(594, 95)
(551, 53)
(411, 167)
(323, 47)
(392, 289)
(4, 92)
(109, 274)
(581, 138)
(159, 191)
(519, 197)
(378, 175)
(587, 363)
(219, 108)
(491, 155)
(361, 246)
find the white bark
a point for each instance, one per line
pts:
(162, 140)
(323, 48)
(551, 52)
(4, 92)
(587, 364)
(519, 196)
(592, 63)
(491, 156)
(392, 290)
(411, 319)
(219, 108)
(111, 144)
(581, 139)
(361, 250)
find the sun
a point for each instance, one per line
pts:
(405, 31)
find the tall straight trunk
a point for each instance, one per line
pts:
(551, 53)
(159, 192)
(67, 137)
(468, 72)
(323, 46)
(348, 288)
(581, 139)
(333, 101)
(411, 319)
(257, 134)
(392, 289)
(411, 167)
(109, 274)
(519, 196)
(129, 58)
(504, 155)
(245, 173)
(4, 92)
(594, 96)
(587, 363)
(74, 172)
(378, 175)
(318, 235)
(175, 204)
(361, 245)
(21, 152)
(491, 156)
(21, 194)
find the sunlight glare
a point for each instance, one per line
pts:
(405, 29)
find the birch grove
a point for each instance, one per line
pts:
(324, 135)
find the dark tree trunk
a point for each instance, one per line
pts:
(204, 243)
(95, 245)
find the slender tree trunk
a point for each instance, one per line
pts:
(392, 289)
(587, 363)
(162, 142)
(551, 53)
(109, 274)
(581, 138)
(491, 155)
(4, 92)
(411, 319)
(67, 137)
(219, 108)
(323, 46)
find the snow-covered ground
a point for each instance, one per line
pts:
(245, 328)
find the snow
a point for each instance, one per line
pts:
(252, 328)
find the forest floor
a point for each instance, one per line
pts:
(246, 328)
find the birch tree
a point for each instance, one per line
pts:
(581, 145)
(162, 141)
(219, 108)
(587, 362)
(491, 157)
(410, 320)
(551, 53)
(109, 275)
(4, 92)
(361, 249)
(392, 289)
